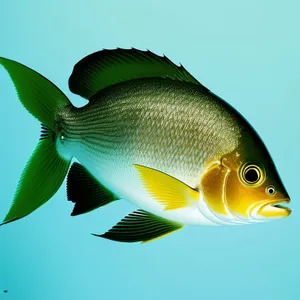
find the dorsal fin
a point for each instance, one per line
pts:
(107, 67)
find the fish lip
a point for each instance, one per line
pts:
(277, 203)
(276, 208)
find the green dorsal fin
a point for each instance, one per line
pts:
(107, 67)
(140, 226)
(85, 191)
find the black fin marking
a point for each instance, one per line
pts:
(85, 191)
(10, 221)
(108, 67)
(45, 132)
(140, 226)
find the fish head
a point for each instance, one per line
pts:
(246, 185)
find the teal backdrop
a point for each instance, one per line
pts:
(247, 52)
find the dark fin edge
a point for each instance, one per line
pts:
(12, 220)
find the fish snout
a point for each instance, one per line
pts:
(275, 209)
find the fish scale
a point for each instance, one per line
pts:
(142, 129)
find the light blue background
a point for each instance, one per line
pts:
(248, 53)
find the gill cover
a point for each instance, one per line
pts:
(213, 188)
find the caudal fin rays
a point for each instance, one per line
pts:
(46, 169)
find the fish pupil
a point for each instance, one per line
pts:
(271, 190)
(252, 175)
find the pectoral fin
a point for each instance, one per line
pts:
(140, 226)
(167, 190)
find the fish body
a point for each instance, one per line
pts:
(162, 141)
(171, 126)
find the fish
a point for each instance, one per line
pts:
(150, 134)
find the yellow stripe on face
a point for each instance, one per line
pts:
(213, 184)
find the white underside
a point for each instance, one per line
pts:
(123, 179)
(125, 182)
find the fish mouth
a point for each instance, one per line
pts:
(275, 209)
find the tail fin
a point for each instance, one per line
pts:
(46, 169)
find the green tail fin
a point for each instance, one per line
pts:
(46, 169)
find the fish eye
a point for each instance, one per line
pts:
(270, 190)
(251, 174)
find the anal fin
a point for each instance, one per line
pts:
(85, 191)
(140, 226)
